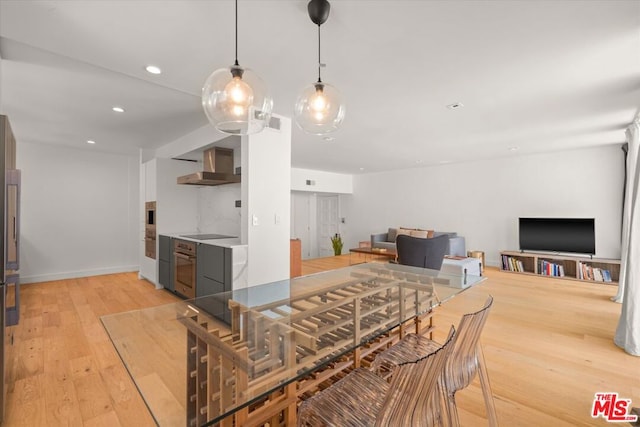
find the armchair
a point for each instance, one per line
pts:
(425, 253)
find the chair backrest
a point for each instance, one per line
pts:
(462, 366)
(413, 392)
(419, 252)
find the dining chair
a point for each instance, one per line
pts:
(419, 252)
(364, 399)
(466, 360)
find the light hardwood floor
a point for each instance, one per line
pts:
(548, 345)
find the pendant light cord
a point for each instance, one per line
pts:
(319, 61)
(236, 63)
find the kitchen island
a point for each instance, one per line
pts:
(194, 265)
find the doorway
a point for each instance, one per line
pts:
(314, 220)
(303, 223)
(328, 225)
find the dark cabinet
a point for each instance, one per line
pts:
(165, 263)
(213, 276)
(211, 263)
(214, 298)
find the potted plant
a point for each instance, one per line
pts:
(336, 241)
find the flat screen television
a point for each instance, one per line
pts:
(574, 235)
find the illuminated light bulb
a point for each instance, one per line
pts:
(239, 96)
(238, 91)
(238, 110)
(319, 116)
(319, 102)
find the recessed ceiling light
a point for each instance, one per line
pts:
(455, 105)
(513, 148)
(329, 138)
(153, 69)
(361, 169)
(419, 162)
(90, 141)
(118, 109)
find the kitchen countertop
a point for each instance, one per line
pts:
(225, 243)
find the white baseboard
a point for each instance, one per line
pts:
(77, 274)
(143, 277)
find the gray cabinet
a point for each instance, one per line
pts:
(165, 263)
(211, 263)
(214, 299)
(213, 276)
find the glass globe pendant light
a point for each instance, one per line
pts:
(235, 99)
(319, 109)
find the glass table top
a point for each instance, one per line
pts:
(256, 340)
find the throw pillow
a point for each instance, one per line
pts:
(403, 231)
(423, 234)
(391, 234)
(430, 233)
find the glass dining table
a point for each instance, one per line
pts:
(246, 357)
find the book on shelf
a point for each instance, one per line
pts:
(512, 264)
(588, 272)
(606, 275)
(597, 275)
(547, 268)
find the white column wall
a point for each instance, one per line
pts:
(482, 201)
(266, 196)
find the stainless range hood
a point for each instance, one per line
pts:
(218, 169)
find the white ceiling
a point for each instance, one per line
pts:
(537, 75)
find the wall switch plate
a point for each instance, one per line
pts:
(254, 220)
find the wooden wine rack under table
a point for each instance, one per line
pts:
(263, 352)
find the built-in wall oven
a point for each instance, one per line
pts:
(150, 229)
(184, 254)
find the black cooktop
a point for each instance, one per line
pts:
(207, 236)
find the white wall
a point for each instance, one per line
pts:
(483, 200)
(1, 86)
(177, 205)
(78, 213)
(266, 195)
(321, 181)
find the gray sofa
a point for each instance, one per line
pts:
(388, 241)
